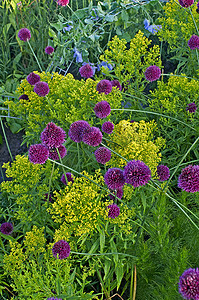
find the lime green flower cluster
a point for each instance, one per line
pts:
(34, 270)
(69, 100)
(136, 141)
(174, 96)
(177, 24)
(132, 63)
(29, 183)
(82, 207)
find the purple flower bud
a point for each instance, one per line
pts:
(24, 34)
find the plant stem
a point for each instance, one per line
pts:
(5, 137)
(35, 56)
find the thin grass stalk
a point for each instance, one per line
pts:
(35, 56)
(5, 137)
(134, 283)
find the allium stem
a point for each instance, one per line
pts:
(62, 165)
(180, 76)
(35, 56)
(153, 113)
(5, 137)
(114, 152)
(194, 20)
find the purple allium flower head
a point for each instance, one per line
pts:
(102, 155)
(152, 73)
(86, 71)
(6, 228)
(189, 179)
(33, 78)
(198, 5)
(137, 173)
(119, 194)
(49, 50)
(76, 130)
(117, 84)
(92, 136)
(61, 248)
(186, 3)
(24, 97)
(163, 172)
(69, 177)
(104, 86)
(24, 34)
(114, 211)
(191, 107)
(114, 178)
(102, 109)
(108, 127)
(53, 152)
(41, 89)
(63, 2)
(53, 136)
(46, 197)
(38, 154)
(193, 42)
(188, 284)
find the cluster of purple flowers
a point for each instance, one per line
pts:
(40, 88)
(6, 228)
(49, 50)
(193, 42)
(135, 173)
(186, 3)
(188, 285)
(52, 138)
(80, 131)
(152, 73)
(87, 71)
(61, 249)
(189, 179)
(191, 107)
(68, 177)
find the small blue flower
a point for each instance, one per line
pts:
(151, 28)
(105, 65)
(77, 55)
(67, 28)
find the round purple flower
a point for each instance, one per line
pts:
(49, 50)
(137, 173)
(76, 130)
(191, 107)
(163, 172)
(152, 73)
(68, 176)
(102, 109)
(114, 178)
(119, 194)
(193, 42)
(102, 155)
(24, 97)
(33, 78)
(108, 127)
(188, 285)
(92, 136)
(61, 248)
(104, 86)
(189, 179)
(46, 197)
(38, 154)
(114, 211)
(6, 228)
(24, 34)
(41, 89)
(198, 5)
(53, 152)
(86, 71)
(186, 3)
(117, 84)
(53, 136)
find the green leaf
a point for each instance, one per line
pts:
(109, 18)
(125, 16)
(102, 241)
(119, 274)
